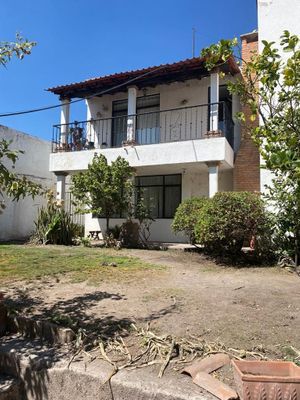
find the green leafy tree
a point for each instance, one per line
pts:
(20, 48)
(103, 189)
(12, 184)
(270, 88)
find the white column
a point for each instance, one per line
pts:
(131, 120)
(213, 178)
(64, 120)
(60, 186)
(91, 131)
(214, 98)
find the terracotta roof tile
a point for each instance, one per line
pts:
(188, 68)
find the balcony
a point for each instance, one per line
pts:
(165, 126)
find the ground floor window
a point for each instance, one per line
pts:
(161, 194)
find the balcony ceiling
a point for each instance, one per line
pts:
(193, 68)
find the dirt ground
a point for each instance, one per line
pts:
(244, 308)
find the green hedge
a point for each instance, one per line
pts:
(227, 222)
(187, 215)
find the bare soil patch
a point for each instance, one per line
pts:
(246, 308)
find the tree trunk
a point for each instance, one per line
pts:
(107, 225)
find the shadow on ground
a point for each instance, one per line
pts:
(76, 313)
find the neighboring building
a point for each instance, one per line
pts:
(275, 16)
(173, 123)
(17, 219)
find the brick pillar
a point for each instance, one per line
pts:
(246, 173)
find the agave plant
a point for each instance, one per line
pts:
(54, 225)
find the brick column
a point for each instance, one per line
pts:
(246, 173)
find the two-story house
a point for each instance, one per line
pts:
(173, 123)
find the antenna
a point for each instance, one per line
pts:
(193, 41)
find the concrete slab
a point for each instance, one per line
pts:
(143, 384)
(46, 375)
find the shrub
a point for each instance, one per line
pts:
(54, 225)
(187, 215)
(145, 219)
(115, 232)
(231, 219)
(130, 234)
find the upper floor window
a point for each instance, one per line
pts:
(147, 120)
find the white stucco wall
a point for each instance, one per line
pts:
(190, 151)
(194, 184)
(17, 220)
(275, 16)
(187, 157)
(176, 95)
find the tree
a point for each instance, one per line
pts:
(19, 49)
(104, 190)
(270, 88)
(10, 183)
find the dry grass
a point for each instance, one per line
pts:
(19, 262)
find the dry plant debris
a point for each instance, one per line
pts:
(145, 348)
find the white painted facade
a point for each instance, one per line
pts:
(275, 16)
(17, 220)
(195, 182)
(181, 153)
(205, 163)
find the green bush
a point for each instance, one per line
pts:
(187, 215)
(54, 225)
(230, 220)
(130, 234)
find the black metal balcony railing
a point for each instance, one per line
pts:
(178, 124)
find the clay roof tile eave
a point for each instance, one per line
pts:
(107, 81)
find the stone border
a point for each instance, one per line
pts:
(42, 379)
(45, 330)
(34, 329)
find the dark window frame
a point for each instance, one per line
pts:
(164, 186)
(124, 112)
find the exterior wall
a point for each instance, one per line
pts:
(188, 157)
(193, 184)
(191, 151)
(176, 95)
(246, 175)
(17, 220)
(275, 16)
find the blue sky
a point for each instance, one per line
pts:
(80, 39)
